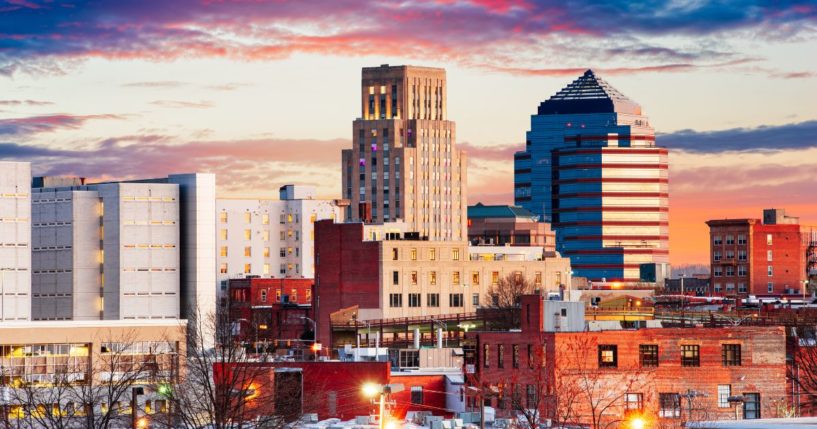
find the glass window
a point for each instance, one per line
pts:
(432, 254)
(414, 300)
(475, 278)
(417, 395)
(769, 255)
(770, 270)
(247, 234)
(608, 356)
(248, 251)
(768, 239)
(247, 268)
(265, 219)
(222, 234)
(432, 277)
(455, 277)
(433, 300)
(669, 405)
(247, 217)
(724, 392)
(222, 217)
(413, 254)
(730, 354)
(223, 251)
(394, 254)
(494, 277)
(455, 300)
(475, 300)
(409, 358)
(515, 356)
(395, 300)
(414, 277)
(751, 405)
(690, 355)
(648, 354)
(455, 254)
(633, 401)
(486, 355)
(500, 356)
(395, 277)
(222, 269)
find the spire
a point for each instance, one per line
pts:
(588, 94)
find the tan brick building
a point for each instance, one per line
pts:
(404, 163)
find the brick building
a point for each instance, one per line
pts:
(404, 276)
(772, 257)
(662, 375)
(508, 225)
(264, 309)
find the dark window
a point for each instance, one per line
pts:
(530, 355)
(395, 277)
(751, 405)
(394, 254)
(532, 396)
(691, 355)
(409, 358)
(648, 354)
(414, 300)
(516, 355)
(633, 401)
(500, 356)
(395, 300)
(486, 356)
(608, 356)
(730, 354)
(433, 300)
(417, 395)
(455, 300)
(669, 405)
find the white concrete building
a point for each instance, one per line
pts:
(270, 238)
(106, 251)
(15, 240)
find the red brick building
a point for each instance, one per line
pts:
(661, 375)
(264, 309)
(771, 257)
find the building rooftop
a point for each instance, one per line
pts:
(500, 211)
(588, 94)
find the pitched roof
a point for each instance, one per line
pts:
(588, 94)
(482, 211)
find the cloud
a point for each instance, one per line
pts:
(178, 104)
(47, 123)
(765, 138)
(490, 153)
(455, 30)
(162, 84)
(25, 103)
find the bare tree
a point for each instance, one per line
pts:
(505, 296)
(224, 386)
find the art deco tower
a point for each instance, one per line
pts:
(404, 164)
(591, 167)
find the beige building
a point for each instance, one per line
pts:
(404, 163)
(15, 241)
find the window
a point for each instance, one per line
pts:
(433, 300)
(248, 251)
(222, 234)
(741, 255)
(751, 405)
(265, 219)
(432, 254)
(394, 254)
(455, 300)
(730, 354)
(742, 239)
(768, 239)
(608, 356)
(263, 295)
(409, 358)
(717, 271)
(515, 357)
(741, 270)
(455, 254)
(769, 255)
(414, 277)
(475, 278)
(417, 395)
(633, 401)
(742, 287)
(730, 254)
(293, 296)
(530, 392)
(247, 217)
(716, 255)
(222, 269)
(486, 356)
(494, 277)
(413, 254)
(770, 287)
(247, 268)
(455, 277)
(730, 239)
(500, 356)
(223, 251)
(414, 299)
(432, 277)
(690, 355)
(475, 299)
(716, 240)
(395, 300)
(717, 287)
(669, 405)
(724, 392)
(648, 354)
(266, 268)
(730, 271)
(283, 252)
(395, 277)
(247, 234)
(770, 270)
(537, 278)
(222, 217)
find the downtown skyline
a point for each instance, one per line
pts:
(146, 89)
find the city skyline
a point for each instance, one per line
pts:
(153, 89)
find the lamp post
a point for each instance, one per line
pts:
(315, 346)
(372, 390)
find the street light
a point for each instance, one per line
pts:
(637, 423)
(371, 390)
(314, 349)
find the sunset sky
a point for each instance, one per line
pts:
(264, 93)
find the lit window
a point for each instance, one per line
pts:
(455, 254)
(247, 217)
(432, 254)
(222, 269)
(724, 392)
(608, 356)
(455, 278)
(266, 252)
(222, 217)
(413, 254)
(475, 278)
(730, 354)
(263, 295)
(266, 269)
(495, 277)
(247, 234)
(248, 251)
(633, 401)
(247, 268)
(690, 355)
(265, 219)
(432, 277)
(223, 251)
(222, 234)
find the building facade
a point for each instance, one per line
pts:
(271, 238)
(15, 241)
(772, 257)
(661, 376)
(591, 168)
(404, 163)
(404, 276)
(508, 225)
(270, 309)
(106, 251)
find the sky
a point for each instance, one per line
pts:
(263, 93)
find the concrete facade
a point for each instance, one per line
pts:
(404, 163)
(591, 167)
(15, 241)
(515, 226)
(106, 251)
(270, 238)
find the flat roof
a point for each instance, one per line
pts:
(67, 324)
(802, 422)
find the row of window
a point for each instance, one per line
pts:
(224, 233)
(648, 355)
(283, 269)
(293, 296)
(729, 271)
(456, 278)
(718, 240)
(284, 218)
(431, 254)
(432, 300)
(285, 251)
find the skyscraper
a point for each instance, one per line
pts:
(591, 167)
(404, 163)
